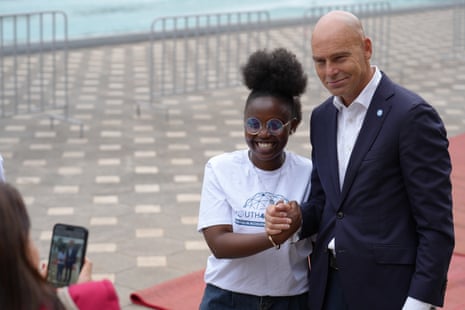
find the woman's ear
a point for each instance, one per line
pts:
(294, 123)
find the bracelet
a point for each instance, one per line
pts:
(276, 246)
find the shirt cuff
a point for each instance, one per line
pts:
(296, 236)
(415, 304)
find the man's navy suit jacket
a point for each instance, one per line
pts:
(392, 220)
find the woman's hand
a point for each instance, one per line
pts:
(277, 218)
(282, 220)
(86, 271)
(43, 269)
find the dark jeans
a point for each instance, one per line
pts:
(215, 298)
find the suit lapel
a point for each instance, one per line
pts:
(332, 151)
(374, 120)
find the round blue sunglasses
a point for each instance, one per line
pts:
(274, 126)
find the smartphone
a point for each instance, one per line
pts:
(67, 254)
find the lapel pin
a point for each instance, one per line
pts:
(379, 113)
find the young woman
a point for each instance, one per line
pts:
(22, 286)
(248, 270)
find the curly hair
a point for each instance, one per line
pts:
(277, 73)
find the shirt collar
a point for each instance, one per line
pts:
(364, 98)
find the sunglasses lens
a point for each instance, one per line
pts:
(253, 125)
(274, 125)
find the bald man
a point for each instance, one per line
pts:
(380, 202)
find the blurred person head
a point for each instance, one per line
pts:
(22, 287)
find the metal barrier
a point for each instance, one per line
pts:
(458, 20)
(375, 17)
(198, 52)
(34, 64)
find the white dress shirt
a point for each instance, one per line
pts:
(349, 122)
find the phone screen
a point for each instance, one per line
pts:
(67, 253)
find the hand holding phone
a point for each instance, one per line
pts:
(86, 271)
(67, 254)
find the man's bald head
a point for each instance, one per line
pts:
(341, 54)
(342, 22)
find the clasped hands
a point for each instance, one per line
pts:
(282, 220)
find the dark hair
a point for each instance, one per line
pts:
(277, 73)
(22, 287)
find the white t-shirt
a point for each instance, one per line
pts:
(236, 193)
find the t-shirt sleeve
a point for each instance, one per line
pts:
(214, 207)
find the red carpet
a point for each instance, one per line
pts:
(455, 299)
(457, 152)
(181, 293)
(186, 292)
(455, 293)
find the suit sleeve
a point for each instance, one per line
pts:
(312, 209)
(426, 168)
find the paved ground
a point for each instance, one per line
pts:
(135, 180)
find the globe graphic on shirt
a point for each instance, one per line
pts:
(253, 211)
(262, 200)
